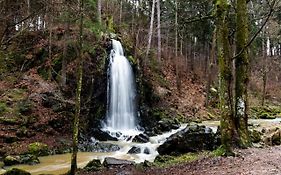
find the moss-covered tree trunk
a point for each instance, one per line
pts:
(78, 97)
(242, 73)
(225, 76)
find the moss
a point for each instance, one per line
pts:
(38, 149)
(220, 151)
(24, 106)
(3, 108)
(166, 161)
(16, 171)
(9, 120)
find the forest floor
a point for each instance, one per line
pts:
(252, 161)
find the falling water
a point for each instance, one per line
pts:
(121, 110)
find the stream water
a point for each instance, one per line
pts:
(58, 164)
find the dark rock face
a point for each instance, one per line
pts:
(134, 150)
(16, 171)
(93, 165)
(109, 161)
(22, 159)
(141, 138)
(102, 136)
(192, 139)
(98, 147)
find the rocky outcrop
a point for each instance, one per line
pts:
(22, 159)
(94, 165)
(141, 138)
(16, 171)
(272, 136)
(109, 161)
(192, 139)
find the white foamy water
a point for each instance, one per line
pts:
(59, 164)
(121, 107)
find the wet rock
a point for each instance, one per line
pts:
(16, 171)
(192, 139)
(94, 165)
(29, 159)
(98, 147)
(141, 138)
(11, 160)
(102, 136)
(38, 149)
(134, 150)
(146, 151)
(109, 161)
(22, 159)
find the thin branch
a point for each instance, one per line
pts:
(256, 34)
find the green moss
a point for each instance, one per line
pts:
(16, 171)
(166, 161)
(9, 120)
(38, 149)
(24, 106)
(220, 151)
(3, 108)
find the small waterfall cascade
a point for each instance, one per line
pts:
(121, 94)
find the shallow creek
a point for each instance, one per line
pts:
(59, 164)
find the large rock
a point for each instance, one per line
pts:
(38, 149)
(109, 161)
(192, 139)
(102, 136)
(16, 171)
(98, 147)
(22, 159)
(94, 165)
(141, 138)
(11, 160)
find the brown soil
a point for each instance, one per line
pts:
(252, 161)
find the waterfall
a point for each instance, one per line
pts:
(121, 110)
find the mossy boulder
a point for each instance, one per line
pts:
(11, 160)
(38, 149)
(16, 171)
(94, 165)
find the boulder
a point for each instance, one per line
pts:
(11, 160)
(98, 147)
(16, 171)
(38, 149)
(102, 136)
(109, 161)
(94, 165)
(22, 159)
(141, 138)
(134, 150)
(191, 139)
(255, 136)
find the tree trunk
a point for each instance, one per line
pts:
(178, 81)
(264, 69)
(65, 45)
(210, 66)
(159, 31)
(225, 76)
(78, 96)
(242, 74)
(150, 31)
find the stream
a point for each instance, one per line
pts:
(60, 163)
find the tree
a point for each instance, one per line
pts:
(225, 76)
(150, 30)
(242, 73)
(78, 95)
(159, 31)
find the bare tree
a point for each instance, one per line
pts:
(150, 30)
